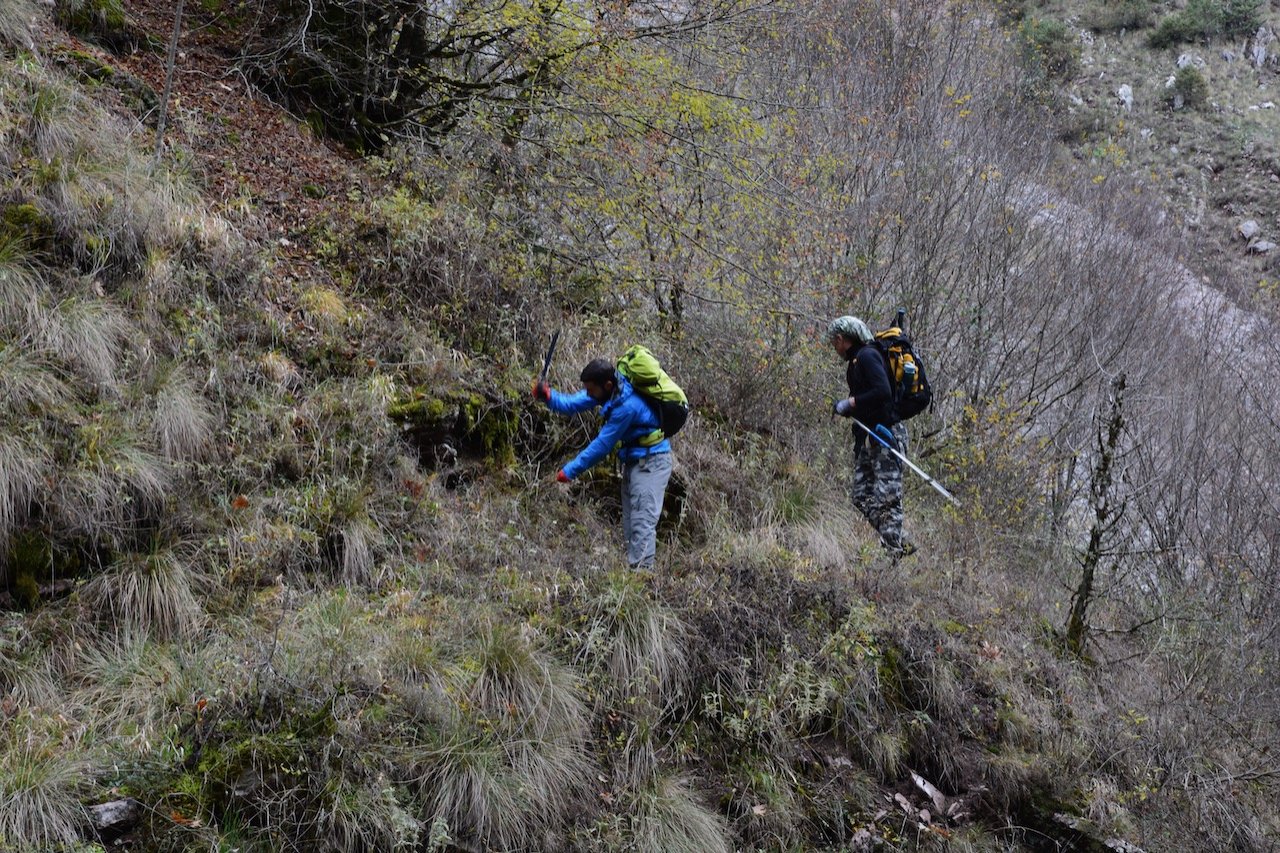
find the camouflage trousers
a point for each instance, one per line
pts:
(877, 486)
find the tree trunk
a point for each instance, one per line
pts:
(1105, 517)
(170, 62)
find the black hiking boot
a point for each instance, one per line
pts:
(905, 548)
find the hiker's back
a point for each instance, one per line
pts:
(641, 368)
(908, 381)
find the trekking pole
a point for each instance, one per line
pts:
(887, 446)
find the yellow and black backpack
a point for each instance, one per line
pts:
(911, 391)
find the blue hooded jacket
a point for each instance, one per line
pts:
(627, 419)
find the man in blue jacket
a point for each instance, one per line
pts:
(877, 473)
(631, 425)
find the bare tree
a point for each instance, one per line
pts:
(1107, 514)
(170, 62)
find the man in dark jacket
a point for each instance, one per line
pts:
(877, 473)
(631, 425)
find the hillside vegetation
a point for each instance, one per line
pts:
(284, 563)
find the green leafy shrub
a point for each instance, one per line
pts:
(1242, 17)
(1050, 46)
(1190, 89)
(1206, 19)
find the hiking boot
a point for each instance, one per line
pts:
(644, 573)
(904, 548)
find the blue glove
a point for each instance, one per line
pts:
(887, 434)
(843, 408)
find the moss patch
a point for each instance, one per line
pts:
(457, 423)
(103, 21)
(26, 224)
(31, 560)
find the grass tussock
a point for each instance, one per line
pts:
(511, 762)
(20, 283)
(89, 334)
(41, 779)
(668, 818)
(137, 685)
(358, 543)
(15, 22)
(26, 674)
(22, 472)
(31, 383)
(154, 593)
(117, 479)
(373, 816)
(182, 423)
(635, 645)
(111, 209)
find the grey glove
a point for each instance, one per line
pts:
(843, 408)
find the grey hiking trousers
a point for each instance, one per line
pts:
(644, 484)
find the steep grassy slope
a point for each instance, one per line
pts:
(1183, 96)
(285, 565)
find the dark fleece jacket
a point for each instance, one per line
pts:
(868, 378)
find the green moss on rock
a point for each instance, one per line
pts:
(90, 66)
(457, 422)
(26, 223)
(102, 20)
(32, 558)
(88, 16)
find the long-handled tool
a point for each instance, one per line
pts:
(546, 362)
(889, 447)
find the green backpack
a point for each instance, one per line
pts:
(664, 396)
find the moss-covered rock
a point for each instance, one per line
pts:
(103, 21)
(457, 423)
(90, 68)
(26, 223)
(32, 559)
